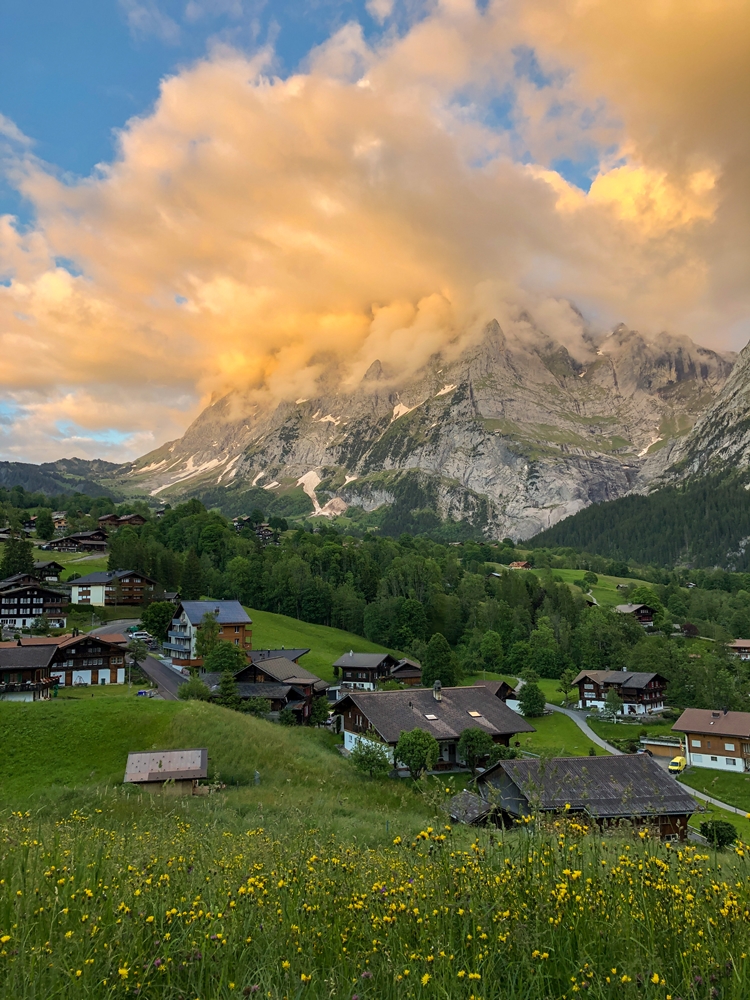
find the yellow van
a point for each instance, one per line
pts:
(677, 765)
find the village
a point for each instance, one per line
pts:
(376, 703)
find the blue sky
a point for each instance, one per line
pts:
(72, 72)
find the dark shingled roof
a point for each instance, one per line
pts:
(624, 678)
(605, 787)
(108, 575)
(466, 807)
(256, 655)
(248, 689)
(34, 657)
(286, 672)
(392, 712)
(370, 660)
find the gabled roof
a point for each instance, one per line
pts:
(365, 660)
(629, 609)
(46, 563)
(73, 640)
(703, 720)
(107, 576)
(162, 765)
(466, 807)
(226, 612)
(285, 671)
(248, 689)
(257, 655)
(606, 787)
(392, 712)
(36, 586)
(17, 578)
(622, 678)
(26, 656)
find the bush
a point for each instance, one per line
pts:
(418, 750)
(287, 717)
(371, 758)
(259, 707)
(531, 700)
(193, 690)
(499, 752)
(718, 832)
(474, 745)
(225, 656)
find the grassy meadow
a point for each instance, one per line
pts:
(271, 631)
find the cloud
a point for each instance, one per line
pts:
(145, 18)
(384, 202)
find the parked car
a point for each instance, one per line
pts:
(143, 636)
(677, 765)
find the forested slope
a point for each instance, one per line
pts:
(704, 522)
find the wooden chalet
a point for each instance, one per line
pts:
(48, 571)
(115, 521)
(362, 671)
(641, 693)
(632, 788)
(85, 659)
(25, 672)
(643, 613)
(114, 587)
(407, 672)
(443, 712)
(275, 673)
(740, 647)
(520, 564)
(79, 541)
(21, 606)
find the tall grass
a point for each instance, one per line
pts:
(181, 903)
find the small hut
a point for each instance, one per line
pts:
(175, 771)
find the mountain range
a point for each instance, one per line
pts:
(509, 437)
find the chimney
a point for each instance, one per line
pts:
(725, 711)
(437, 691)
(18, 641)
(351, 652)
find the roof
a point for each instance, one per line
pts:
(256, 655)
(26, 656)
(736, 644)
(607, 787)
(47, 562)
(496, 687)
(371, 660)
(248, 689)
(73, 640)
(703, 720)
(107, 575)
(623, 678)
(466, 807)
(629, 609)
(283, 670)
(392, 712)
(35, 640)
(406, 668)
(226, 612)
(161, 765)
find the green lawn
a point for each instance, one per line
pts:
(740, 823)
(556, 736)
(76, 741)
(74, 562)
(626, 730)
(605, 591)
(734, 789)
(551, 694)
(326, 644)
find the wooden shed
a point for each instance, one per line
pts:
(177, 771)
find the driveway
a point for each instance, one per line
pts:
(166, 679)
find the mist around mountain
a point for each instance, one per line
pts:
(509, 438)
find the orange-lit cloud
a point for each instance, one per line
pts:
(254, 230)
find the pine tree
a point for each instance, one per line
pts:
(192, 577)
(18, 557)
(228, 695)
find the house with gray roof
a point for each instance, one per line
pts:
(304, 687)
(362, 671)
(443, 712)
(25, 672)
(641, 693)
(235, 626)
(631, 788)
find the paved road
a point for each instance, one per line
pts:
(167, 680)
(580, 721)
(713, 801)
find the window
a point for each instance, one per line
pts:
(475, 715)
(236, 628)
(695, 743)
(708, 744)
(730, 762)
(698, 757)
(93, 661)
(431, 718)
(714, 759)
(729, 746)
(236, 642)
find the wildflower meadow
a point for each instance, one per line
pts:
(173, 904)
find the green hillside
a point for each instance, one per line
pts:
(605, 591)
(702, 520)
(271, 631)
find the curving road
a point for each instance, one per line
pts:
(166, 679)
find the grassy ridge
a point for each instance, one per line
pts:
(326, 644)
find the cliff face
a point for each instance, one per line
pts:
(513, 436)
